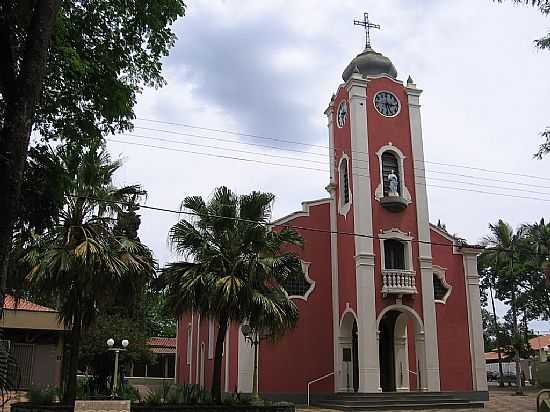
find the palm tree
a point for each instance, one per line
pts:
(234, 267)
(82, 257)
(503, 243)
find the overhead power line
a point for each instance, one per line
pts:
(257, 136)
(295, 227)
(313, 169)
(356, 167)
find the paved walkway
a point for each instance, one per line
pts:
(498, 402)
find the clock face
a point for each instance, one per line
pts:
(386, 104)
(342, 114)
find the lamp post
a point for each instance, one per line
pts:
(110, 344)
(254, 337)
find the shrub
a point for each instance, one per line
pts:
(42, 396)
(188, 394)
(157, 395)
(129, 393)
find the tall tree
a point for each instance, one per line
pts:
(234, 266)
(72, 70)
(504, 248)
(542, 43)
(492, 326)
(82, 258)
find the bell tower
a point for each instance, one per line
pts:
(382, 268)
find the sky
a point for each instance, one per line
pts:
(269, 69)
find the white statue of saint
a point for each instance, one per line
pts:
(392, 180)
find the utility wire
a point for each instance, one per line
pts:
(296, 227)
(322, 163)
(322, 146)
(321, 170)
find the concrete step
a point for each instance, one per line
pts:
(397, 401)
(404, 406)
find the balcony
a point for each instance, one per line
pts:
(398, 282)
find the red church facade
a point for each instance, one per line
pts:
(389, 302)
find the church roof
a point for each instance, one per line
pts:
(370, 63)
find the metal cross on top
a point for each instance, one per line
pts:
(367, 25)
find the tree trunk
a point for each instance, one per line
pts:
(515, 339)
(70, 391)
(497, 331)
(20, 92)
(217, 373)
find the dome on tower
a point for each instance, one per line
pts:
(370, 63)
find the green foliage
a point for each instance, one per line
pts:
(544, 44)
(234, 266)
(156, 395)
(129, 393)
(187, 394)
(83, 261)
(101, 54)
(42, 396)
(93, 352)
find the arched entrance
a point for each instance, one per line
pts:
(402, 356)
(348, 354)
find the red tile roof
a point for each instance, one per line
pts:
(539, 342)
(162, 345)
(11, 303)
(162, 342)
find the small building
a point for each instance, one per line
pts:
(162, 370)
(35, 337)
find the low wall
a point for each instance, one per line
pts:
(28, 407)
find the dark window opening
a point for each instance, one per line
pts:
(389, 164)
(296, 285)
(394, 252)
(439, 288)
(344, 181)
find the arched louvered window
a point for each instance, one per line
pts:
(344, 182)
(394, 253)
(441, 288)
(389, 164)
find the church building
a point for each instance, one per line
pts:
(389, 302)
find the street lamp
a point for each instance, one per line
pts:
(110, 344)
(254, 337)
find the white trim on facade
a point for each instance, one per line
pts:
(190, 363)
(211, 338)
(447, 236)
(369, 370)
(441, 272)
(331, 189)
(303, 213)
(405, 238)
(432, 378)
(479, 373)
(379, 192)
(226, 352)
(305, 269)
(399, 104)
(198, 348)
(245, 364)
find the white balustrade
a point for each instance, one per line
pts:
(398, 281)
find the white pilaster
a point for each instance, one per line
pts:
(479, 373)
(431, 379)
(369, 372)
(331, 188)
(245, 366)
